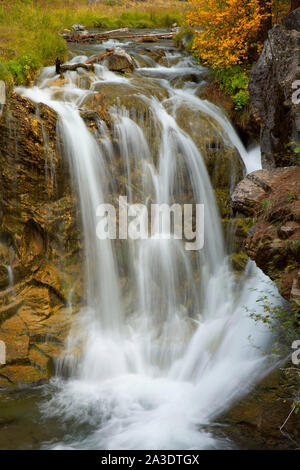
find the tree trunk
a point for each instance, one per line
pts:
(267, 23)
(295, 4)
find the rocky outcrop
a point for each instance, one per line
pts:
(40, 246)
(272, 199)
(273, 85)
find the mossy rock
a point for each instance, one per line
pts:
(223, 162)
(223, 200)
(239, 261)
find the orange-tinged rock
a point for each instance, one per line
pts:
(14, 325)
(49, 275)
(16, 346)
(5, 383)
(40, 361)
(58, 325)
(53, 350)
(23, 375)
(35, 306)
(7, 311)
(15, 336)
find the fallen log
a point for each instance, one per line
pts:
(87, 65)
(149, 39)
(93, 35)
(72, 67)
(106, 33)
(157, 36)
(100, 38)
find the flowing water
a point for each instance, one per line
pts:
(167, 341)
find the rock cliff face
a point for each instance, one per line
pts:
(272, 199)
(273, 85)
(271, 196)
(40, 244)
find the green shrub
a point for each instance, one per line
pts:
(290, 196)
(264, 205)
(234, 82)
(241, 99)
(21, 69)
(233, 79)
(282, 318)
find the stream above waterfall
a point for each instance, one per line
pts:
(165, 341)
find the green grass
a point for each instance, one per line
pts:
(29, 30)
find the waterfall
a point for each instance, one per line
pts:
(11, 279)
(164, 356)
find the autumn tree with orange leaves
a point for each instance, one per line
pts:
(228, 31)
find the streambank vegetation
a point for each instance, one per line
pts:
(29, 29)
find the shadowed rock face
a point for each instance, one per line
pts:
(40, 247)
(271, 89)
(272, 198)
(292, 20)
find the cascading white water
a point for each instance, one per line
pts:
(154, 373)
(10, 276)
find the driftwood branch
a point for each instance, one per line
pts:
(64, 68)
(97, 59)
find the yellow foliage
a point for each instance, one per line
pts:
(227, 30)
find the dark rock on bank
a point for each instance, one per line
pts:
(273, 85)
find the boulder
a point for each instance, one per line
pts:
(251, 189)
(120, 61)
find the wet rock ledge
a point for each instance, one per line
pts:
(40, 246)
